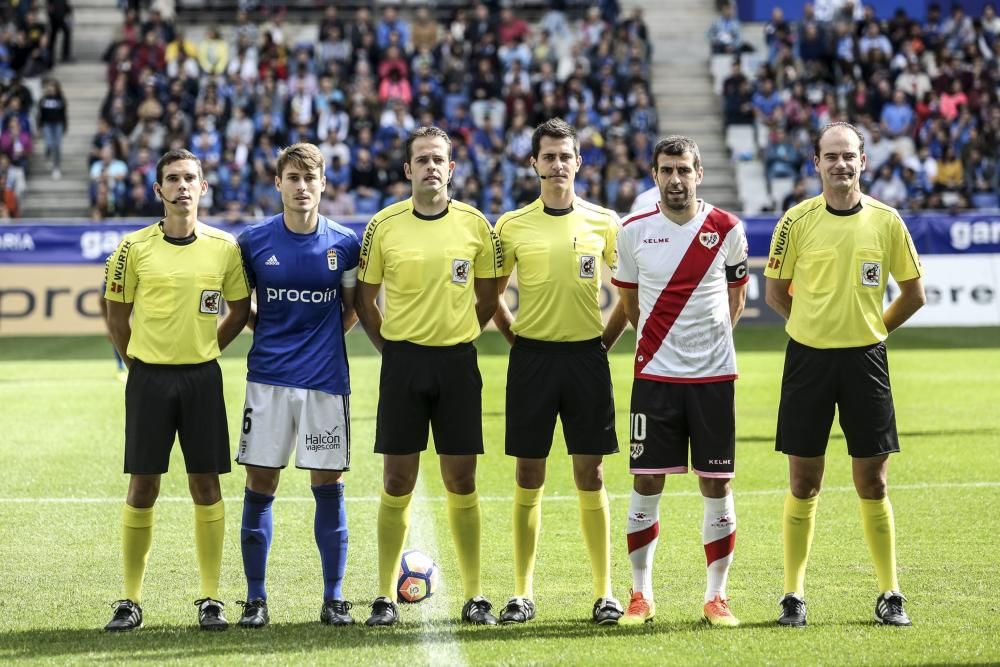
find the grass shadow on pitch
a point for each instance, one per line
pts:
(188, 642)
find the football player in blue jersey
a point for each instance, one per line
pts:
(304, 269)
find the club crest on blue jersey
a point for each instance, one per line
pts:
(460, 271)
(331, 259)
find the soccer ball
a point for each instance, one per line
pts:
(418, 577)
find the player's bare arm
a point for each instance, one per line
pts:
(252, 319)
(777, 297)
(629, 300)
(487, 299)
(233, 322)
(737, 299)
(616, 324)
(503, 318)
(368, 313)
(911, 299)
(120, 327)
(349, 314)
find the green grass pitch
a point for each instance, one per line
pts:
(61, 422)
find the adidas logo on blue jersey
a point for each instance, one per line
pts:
(272, 261)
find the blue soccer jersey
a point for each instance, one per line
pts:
(299, 337)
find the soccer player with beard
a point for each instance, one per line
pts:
(682, 277)
(839, 249)
(439, 261)
(304, 270)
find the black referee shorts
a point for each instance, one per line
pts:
(571, 380)
(422, 385)
(856, 381)
(162, 401)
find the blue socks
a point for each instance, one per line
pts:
(255, 540)
(331, 537)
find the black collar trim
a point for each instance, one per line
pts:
(173, 240)
(557, 211)
(438, 216)
(844, 212)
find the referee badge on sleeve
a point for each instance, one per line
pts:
(460, 271)
(871, 274)
(588, 266)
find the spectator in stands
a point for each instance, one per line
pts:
(888, 187)
(61, 22)
(797, 194)
(897, 117)
(950, 173)
(914, 81)
(877, 148)
(725, 34)
(391, 23)
(766, 101)
(12, 186)
(15, 142)
(52, 121)
(950, 101)
(781, 158)
(213, 53)
(873, 40)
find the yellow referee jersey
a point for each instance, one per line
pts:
(428, 266)
(177, 289)
(558, 255)
(839, 262)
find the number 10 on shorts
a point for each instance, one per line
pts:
(638, 426)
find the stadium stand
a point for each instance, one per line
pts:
(925, 94)
(233, 94)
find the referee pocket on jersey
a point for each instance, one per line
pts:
(409, 275)
(533, 265)
(161, 299)
(868, 265)
(817, 270)
(209, 287)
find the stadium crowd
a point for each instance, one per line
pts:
(925, 95)
(488, 77)
(28, 37)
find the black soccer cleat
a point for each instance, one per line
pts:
(793, 611)
(477, 612)
(889, 609)
(127, 616)
(210, 615)
(336, 612)
(517, 610)
(254, 613)
(384, 612)
(607, 611)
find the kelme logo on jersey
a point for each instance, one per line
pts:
(211, 300)
(709, 239)
(460, 271)
(871, 274)
(301, 296)
(588, 266)
(331, 259)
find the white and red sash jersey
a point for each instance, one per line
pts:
(683, 274)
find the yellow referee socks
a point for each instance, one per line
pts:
(798, 526)
(209, 533)
(880, 534)
(527, 524)
(393, 524)
(137, 539)
(595, 519)
(465, 520)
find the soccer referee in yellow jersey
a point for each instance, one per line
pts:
(439, 261)
(558, 363)
(836, 253)
(172, 278)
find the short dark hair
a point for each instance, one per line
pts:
(305, 156)
(556, 128)
(176, 155)
(676, 145)
(426, 131)
(839, 123)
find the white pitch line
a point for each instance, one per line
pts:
(422, 533)
(506, 499)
